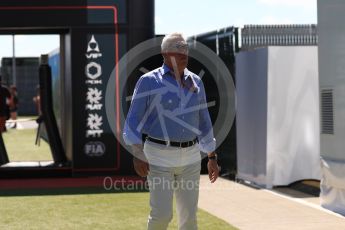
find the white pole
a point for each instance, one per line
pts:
(14, 74)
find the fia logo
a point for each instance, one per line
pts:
(94, 149)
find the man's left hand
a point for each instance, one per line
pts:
(213, 170)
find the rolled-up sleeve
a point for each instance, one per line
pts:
(132, 130)
(207, 142)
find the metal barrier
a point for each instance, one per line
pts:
(255, 36)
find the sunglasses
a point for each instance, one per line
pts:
(179, 46)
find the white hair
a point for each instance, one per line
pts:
(169, 41)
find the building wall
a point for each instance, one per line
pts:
(332, 90)
(331, 19)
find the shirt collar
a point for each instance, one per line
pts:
(165, 69)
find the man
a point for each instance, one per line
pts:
(13, 105)
(169, 109)
(4, 109)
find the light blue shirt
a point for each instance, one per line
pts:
(164, 110)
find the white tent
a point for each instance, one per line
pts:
(277, 115)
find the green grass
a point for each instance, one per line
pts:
(87, 211)
(20, 146)
(74, 208)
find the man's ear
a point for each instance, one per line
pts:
(165, 56)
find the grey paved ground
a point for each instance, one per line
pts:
(249, 208)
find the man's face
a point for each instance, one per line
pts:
(177, 56)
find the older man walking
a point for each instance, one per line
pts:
(169, 109)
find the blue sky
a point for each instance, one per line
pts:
(193, 17)
(196, 16)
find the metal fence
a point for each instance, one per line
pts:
(255, 36)
(224, 42)
(27, 81)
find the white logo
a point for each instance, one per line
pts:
(94, 121)
(93, 51)
(94, 82)
(94, 133)
(93, 71)
(94, 149)
(93, 97)
(93, 74)
(92, 43)
(94, 107)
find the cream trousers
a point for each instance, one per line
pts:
(176, 171)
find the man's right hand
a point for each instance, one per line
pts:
(141, 167)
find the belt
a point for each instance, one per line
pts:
(173, 143)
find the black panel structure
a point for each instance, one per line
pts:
(224, 43)
(48, 117)
(94, 35)
(3, 153)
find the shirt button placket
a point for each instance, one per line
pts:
(182, 107)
